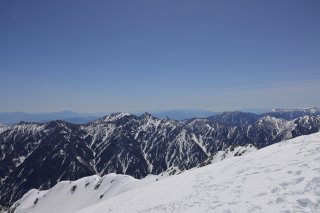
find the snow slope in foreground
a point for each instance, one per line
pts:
(283, 177)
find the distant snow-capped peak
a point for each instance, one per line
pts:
(311, 110)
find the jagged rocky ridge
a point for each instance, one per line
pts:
(40, 155)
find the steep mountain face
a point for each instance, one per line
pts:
(306, 125)
(269, 130)
(16, 143)
(40, 155)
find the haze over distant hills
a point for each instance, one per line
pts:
(69, 116)
(82, 118)
(176, 114)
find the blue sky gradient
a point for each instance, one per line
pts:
(103, 56)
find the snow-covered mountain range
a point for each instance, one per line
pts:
(39, 156)
(284, 177)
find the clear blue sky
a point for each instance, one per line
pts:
(102, 56)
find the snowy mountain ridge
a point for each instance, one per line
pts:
(283, 177)
(93, 189)
(40, 155)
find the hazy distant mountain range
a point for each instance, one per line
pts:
(83, 118)
(69, 116)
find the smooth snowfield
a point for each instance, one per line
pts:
(283, 177)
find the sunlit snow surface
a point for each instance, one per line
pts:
(283, 177)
